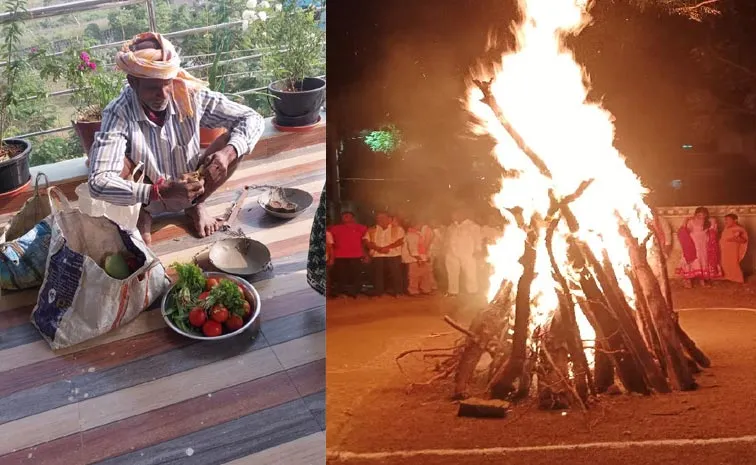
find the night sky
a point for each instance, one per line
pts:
(404, 62)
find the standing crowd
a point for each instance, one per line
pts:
(414, 256)
(409, 256)
(708, 255)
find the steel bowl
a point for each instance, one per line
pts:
(249, 291)
(240, 256)
(303, 199)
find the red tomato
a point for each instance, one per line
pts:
(234, 323)
(204, 295)
(247, 309)
(212, 329)
(197, 317)
(219, 313)
(211, 283)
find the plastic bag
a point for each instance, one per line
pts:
(124, 216)
(78, 299)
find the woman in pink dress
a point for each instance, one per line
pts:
(700, 246)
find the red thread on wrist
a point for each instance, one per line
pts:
(155, 195)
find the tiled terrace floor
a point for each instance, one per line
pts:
(144, 395)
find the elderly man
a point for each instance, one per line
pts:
(155, 122)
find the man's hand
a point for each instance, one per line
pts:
(216, 164)
(184, 190)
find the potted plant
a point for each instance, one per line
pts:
(14, 153)
(95, 87)
(294, 50)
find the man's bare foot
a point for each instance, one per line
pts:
(144, 225)
(204, 224)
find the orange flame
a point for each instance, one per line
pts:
(542, 92)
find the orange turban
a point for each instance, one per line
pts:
(160, 64)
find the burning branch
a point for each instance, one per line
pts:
(489, 100)
(502, 383)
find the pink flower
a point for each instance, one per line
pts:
(81, 67)
(84, 57)
(34, 50)
(92, 65)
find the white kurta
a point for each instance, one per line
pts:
(463, 241)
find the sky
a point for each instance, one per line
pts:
(404, 63)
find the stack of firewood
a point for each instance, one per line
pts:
(639, 347)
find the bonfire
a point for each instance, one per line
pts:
(580, 301)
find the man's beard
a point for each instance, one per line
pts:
(159, 107)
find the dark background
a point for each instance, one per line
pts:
(404, 63)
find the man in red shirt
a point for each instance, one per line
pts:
(348, 255)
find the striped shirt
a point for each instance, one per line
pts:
(168, 151)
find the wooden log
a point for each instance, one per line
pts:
(597, 310)
(502, 384)
(603, 368)
(487, 325)
(690, 346)
(553, 362)
(624, 314)
(662, 273)
(627, 368)
(483, 408)
(677, 370)
(566, 312)
(663, 277)
(647, 321)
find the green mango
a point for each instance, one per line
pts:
(116, 266)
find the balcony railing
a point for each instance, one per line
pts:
(89, 5)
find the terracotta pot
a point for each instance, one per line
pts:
(208, 135)
(86, 131)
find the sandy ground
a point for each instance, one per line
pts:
(371, 410)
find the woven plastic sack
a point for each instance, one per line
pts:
(78, 300)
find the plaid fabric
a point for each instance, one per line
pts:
(316, 258)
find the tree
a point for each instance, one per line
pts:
(725, 98)
(697, 10)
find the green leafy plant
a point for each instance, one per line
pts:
(227, 293)
(11, 33)
(222, 44)
(384, 140)
(295, 45)
(32, 111)
(52, 149)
